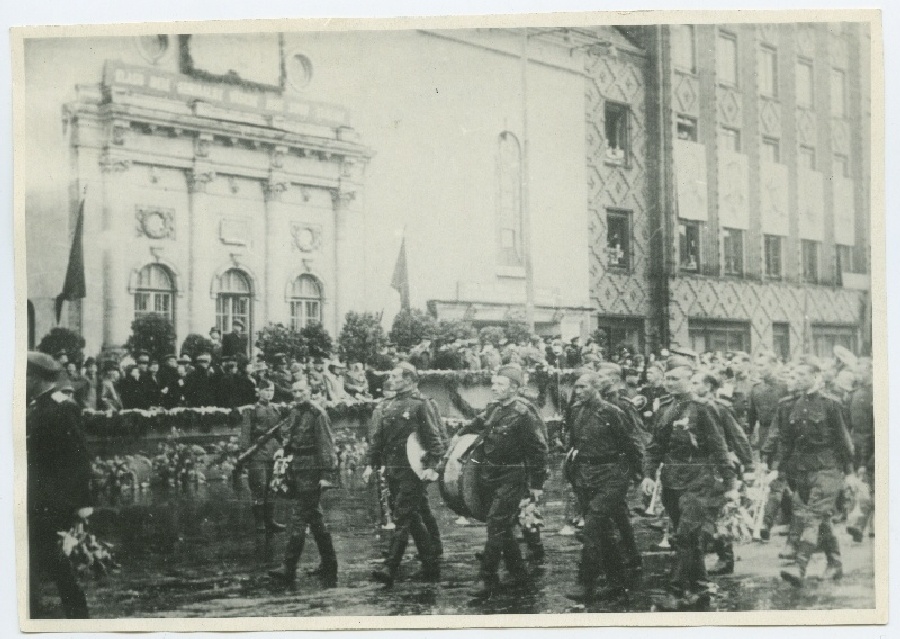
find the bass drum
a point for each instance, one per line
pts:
(460, 481)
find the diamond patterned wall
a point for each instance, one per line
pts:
(617, 185)
(730, 107)
(760, 304)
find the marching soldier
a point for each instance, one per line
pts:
(696, 473)
(606, 454)
(764, 398)
(406, 413)
(513, 455)
(310, 442)
(813, 439)
(258, 422)
(59, 476)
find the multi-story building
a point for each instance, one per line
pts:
(753, 232)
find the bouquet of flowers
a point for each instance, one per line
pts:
(87, 552)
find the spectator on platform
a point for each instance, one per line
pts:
(109, 392)
(200, 384)
(92, 384)
(132, 390)
(215, 336)
(236, 342)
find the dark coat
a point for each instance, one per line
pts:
(310, 441)
(200, 388)
(234, 345)
(59, 467)
(812, 435)
(398, 418)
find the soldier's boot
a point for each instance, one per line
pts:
(271, 525)
(490, 563)
(797, 576)
(71, 595)
(259, 517)
(388, 574)
(515, 565)
(288, 574)
(328, 567)
(829, 543)
(536, 552)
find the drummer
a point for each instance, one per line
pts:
(407, 413)
(513, 451)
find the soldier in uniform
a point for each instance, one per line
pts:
(310, 442)
(813, 439)
(764, 398)
(696, 473)
(199, 385)
(513, 455)
(606, 454)
(59, 476)
(404, 414)
(257, 423)
(862, 428)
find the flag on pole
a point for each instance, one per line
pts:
(400, 280)
(74, 286)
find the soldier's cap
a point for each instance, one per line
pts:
(143, 357)
(43, 366)
(237, 322)
(229, 360)
(184, 359)
(203, 357)
(264, 384)
(512, 372)
(89, 361)
(215, 329)
(170, 356)
(279, 358)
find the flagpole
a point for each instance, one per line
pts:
(526, 217)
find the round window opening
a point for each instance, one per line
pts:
(153, 47)
(299, 70)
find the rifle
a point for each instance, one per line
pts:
(259, 443)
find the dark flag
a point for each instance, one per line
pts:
(400, 280)
(74, 287)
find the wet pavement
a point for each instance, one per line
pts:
(195, 553)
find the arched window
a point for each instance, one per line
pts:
(154, 293)
(234, 300)
(509, 173)
(306, 302)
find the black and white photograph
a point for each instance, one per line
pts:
(550, 321)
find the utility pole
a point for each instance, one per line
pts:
(526, 216)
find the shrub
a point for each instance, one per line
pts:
(152, 333)
(194, 344)
(361, 338)
(410, 327)
(63, 339)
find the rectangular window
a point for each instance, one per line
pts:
(841, 165)
(773, 244)
(684, 51)
(616, 132)
(726, 58)
(807, 158)
(843, 260)
(781, 340)
(767, 70)
(729, 139)
(838, 94)
(689, 246)
(733, 252)
(707, 336)
(804, 83)
(618, 239)
(687, 128)
(827, 336)
(809, 256)
(770, 151)
(615, 332)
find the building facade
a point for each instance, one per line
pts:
(756, 146)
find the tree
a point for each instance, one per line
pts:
(517, 331)
(152, 333)
(491, 335)
(194, 344)
(361, 338)
(317, 340)
(63, 339)
(410, 327)
(278, 338)
(451, 330)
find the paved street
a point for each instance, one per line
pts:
(196, 555)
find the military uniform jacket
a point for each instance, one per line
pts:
(59, 467)
(512, 437)
(398, 418)
(257, 422)
(764, 398)
(310, 441)
(603, 434)
(690, 443)
(812, 435)
(735, 437)
(861, 422)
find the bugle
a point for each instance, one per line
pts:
(384, 500)
(657, 495)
